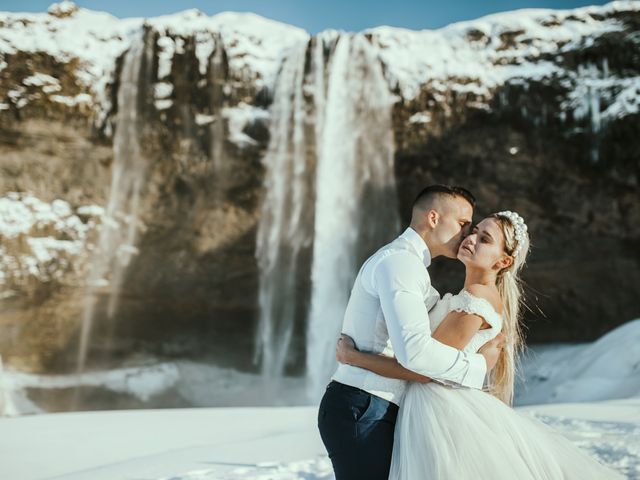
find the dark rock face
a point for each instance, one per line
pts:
(195, 279)
(583, 221)
(573, 178)
(191, 291)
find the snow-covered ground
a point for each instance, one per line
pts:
(609, 431)
(245, 443)
(601, 380)
(154, 444)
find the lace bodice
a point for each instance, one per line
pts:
(466, 302)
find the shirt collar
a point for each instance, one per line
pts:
(418, 244)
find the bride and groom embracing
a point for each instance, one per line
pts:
(411, 401)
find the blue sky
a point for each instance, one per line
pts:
(317, 15)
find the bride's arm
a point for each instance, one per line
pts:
(456, 330)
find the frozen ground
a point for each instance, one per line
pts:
(245, 443)
(153, 444)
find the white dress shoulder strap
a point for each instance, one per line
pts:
(466, 302)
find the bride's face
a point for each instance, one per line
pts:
(484, 248)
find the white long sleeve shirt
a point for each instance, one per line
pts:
(388, 312)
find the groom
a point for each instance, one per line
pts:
(389, 303)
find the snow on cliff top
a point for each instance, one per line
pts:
(488, 51)
(98, 38)
(253, 43)
(493, 49)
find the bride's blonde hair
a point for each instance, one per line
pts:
(502, 377)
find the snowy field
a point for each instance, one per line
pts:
(248, 443)
(589, 392)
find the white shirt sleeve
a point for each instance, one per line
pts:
(399, 280)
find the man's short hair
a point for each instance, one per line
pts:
(430, 193)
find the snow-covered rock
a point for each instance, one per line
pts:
(244, 443)
(475, 56)
(495, 49)
(42, 241)
(608, 368)
(95, 40)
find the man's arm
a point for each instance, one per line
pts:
(397, 280)
(347, 353)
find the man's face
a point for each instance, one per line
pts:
(453, 225)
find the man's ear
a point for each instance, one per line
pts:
(505, 262)
(433, 218)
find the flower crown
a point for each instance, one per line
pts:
(518, 225)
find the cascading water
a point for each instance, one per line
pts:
(116, 245)
(341, 201)
(355, 205)
(7, 408)
(284, 228)
(217, 80)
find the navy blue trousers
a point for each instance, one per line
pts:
(357, 431)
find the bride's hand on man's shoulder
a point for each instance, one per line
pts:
(345, 348)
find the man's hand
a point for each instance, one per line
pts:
(492, 349)
(345, 348)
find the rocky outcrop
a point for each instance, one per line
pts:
(535, 111)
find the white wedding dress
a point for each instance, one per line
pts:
(445, 433)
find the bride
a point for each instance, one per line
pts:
(463, 433)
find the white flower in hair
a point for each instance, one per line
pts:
(518, 225)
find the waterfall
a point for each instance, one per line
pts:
(116, 245)
(355, 205)
(284, 228)
(330, 196)
(217, 79)
(7, 407)
(596, 123)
